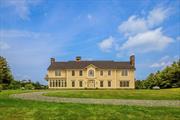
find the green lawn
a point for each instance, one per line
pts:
(15, 109)
(163, 94)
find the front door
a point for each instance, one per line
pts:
(91, 84)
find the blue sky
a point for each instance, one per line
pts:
(33, 31)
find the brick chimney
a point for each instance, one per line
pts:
(52, 60)
(78, 58)
(132, 60)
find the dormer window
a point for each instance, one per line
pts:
(91, 73)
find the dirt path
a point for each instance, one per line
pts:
(39, 97)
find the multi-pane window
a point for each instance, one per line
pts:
(50, 82)
(124, 72)
(91, 73)
(73, 73)
(62, 83)
(124, 83)
(53, 83)
(57, 73)
(80, 73)
(109, 72)
(73, 83)
(101, 83)
(109, 83)
(80, 83)
(101, 73)
(58, 83)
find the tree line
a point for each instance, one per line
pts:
(169, 77)
(7, 80)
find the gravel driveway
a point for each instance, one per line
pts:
(39, 97)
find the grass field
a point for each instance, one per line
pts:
(163, 94)
(15, 109)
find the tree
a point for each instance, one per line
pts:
(15, 85)
(5, 73)
(139, 84)
(37, 85)
(29, 86)
(0, 87)
(169, 77)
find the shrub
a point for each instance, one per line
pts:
(29, 86)
(15, 85)
(4, 86)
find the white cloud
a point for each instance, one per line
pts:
(157, 16)
(142, 33)
(106, 44)
(136, 24)
(20, 7)
(4, 46)
(152, 40)
(133, 25)
(163, 62)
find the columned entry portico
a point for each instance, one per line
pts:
(91, 84)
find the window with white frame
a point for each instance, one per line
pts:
(73, 73)
(62, 83)
(80, 83)
(101, 83)
(109, 72)
(124, 83)
(73, 83)
(109, 83)
(101, 73)
(91, 73)
(124, 72)
(80, 73)
(57, 73)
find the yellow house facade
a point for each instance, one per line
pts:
(79, 74)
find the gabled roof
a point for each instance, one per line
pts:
(83, 64)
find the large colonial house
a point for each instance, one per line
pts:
(91, 74)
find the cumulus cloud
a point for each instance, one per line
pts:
(152, 40)
(157, 16)
(136, 24)
(142, 33)
(133, 25)
(163, 62)
(106, 44)
(20, 7)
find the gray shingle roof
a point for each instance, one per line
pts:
(84, 64)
